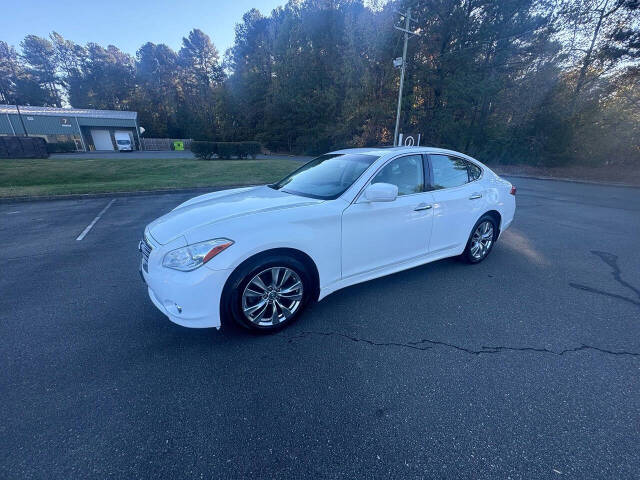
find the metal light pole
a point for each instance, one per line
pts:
(407, 32)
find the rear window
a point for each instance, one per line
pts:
(124, 142)
(474, 172)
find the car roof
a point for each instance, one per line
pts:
(361, 151)
(380, 151)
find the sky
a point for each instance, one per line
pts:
(126, 24)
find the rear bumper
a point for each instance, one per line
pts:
(189, 299)
(508, 213)
(505, 225)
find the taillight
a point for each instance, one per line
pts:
(513, 190)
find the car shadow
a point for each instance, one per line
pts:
(373, 299)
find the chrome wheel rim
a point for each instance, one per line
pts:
(272, 296)
(481, 240)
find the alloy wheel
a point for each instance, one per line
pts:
(272, 296)
(481, 240)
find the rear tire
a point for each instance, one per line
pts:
(269, 293)
(483, 236)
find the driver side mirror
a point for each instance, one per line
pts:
(381, 192)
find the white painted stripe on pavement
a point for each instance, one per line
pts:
(95, 220)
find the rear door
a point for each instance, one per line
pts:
(380, 234)
(458, 201)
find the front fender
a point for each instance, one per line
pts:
(313, 230)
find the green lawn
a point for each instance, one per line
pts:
(58, 177)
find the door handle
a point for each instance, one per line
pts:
(475, 196)
(422, 206)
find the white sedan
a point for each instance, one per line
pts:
(260, 254)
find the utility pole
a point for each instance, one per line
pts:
(26, 134)
(407, 32)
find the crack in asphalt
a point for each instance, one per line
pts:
(426, 344)
(414, 346)
(612, 261)
(589, 289)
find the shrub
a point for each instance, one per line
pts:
(23, 147)
(205, 150)
(61, 147)
(251, 148)
(226, 150)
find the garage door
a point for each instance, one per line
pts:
(102, 139)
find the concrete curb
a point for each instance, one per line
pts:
(570, 180)
(139, 193)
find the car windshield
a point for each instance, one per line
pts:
(124, 142)
(326, 177)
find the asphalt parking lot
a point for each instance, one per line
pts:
(524, 366)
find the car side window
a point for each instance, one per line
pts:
(404, 172)
(474, 172)
(449, 171)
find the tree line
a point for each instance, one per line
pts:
(544, 82)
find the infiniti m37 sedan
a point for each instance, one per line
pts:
(259, 255)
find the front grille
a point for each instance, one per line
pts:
(145, 248)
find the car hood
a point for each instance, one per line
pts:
(216, 207)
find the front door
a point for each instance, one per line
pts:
(380, 234)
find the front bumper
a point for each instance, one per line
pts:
(190, 299)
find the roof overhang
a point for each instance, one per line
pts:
(68, 112)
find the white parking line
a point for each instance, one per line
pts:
(95, 220)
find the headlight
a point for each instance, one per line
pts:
(192, 256)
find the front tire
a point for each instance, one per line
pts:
(483, 236)
(270, 293)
